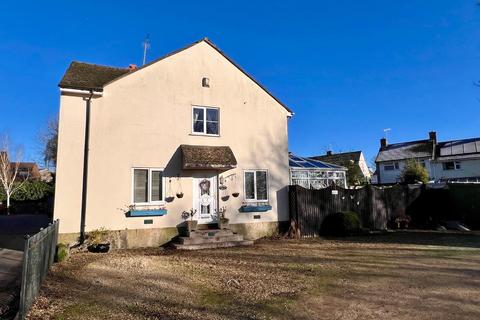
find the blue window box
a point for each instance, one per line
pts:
(146, 213)
(261, 208)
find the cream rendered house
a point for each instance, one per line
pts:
(190, 131)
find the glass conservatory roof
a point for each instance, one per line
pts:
(297, 162)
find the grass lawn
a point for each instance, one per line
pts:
(392, 276)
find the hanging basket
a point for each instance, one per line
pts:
(179, 195)
(235, 194)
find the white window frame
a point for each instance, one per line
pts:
(456, 166)
(255, 185)
(149, 194)
(395, 164)
(204, 133)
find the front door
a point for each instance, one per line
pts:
(205, 200)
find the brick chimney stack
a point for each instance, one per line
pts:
(383, 143)
(329, 152)
(432, 135)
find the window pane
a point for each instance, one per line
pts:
(249, 187)
(198, 114)
(212, 127)
(212, 115)
(140, 184)
(156, 185)
(198, 118)
(261, 185)
(198, 126)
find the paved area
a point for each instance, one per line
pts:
(14, 228)
(10, 278)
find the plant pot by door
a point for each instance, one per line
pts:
(223, 223)
(192, 225)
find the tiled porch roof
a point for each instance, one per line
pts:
(207, 157)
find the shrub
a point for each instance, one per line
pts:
(340, 224)
(414, 172)
(30, 190)
(62, 252)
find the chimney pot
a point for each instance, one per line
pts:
(383, 143)
(132, 66)
(329, 152)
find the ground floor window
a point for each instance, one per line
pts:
(451, 165)
(256, 185)
(391, 166)
(147, 185)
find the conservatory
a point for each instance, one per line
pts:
(315, 174)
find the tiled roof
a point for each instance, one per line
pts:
(86, 76)
(406, 150)
(341, 159)
(207, 157)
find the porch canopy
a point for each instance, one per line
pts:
(207, 157)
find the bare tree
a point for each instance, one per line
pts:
(9, 170)
(48, 141)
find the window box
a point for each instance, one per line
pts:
(146, 213)
(259, 207)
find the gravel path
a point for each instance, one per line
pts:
(397, 276)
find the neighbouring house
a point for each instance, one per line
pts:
(448, 161)
(315, 174)
(358, 172)
(139, 147)
(26, 170)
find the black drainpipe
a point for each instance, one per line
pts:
(85, 167)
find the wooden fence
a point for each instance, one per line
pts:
(379, 207)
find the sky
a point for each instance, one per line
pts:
(348, 69)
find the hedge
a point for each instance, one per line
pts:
(30, 190)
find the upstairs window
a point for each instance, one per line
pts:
(205, 121)
(391, 166)
(147, 186)
(256, 185)
(451, 165)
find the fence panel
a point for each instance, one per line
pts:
(38, 256)
(428, 206)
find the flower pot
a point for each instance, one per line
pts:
(235, 194)
(223, 223)
(180, 195)
(99, 247)
(192, 225)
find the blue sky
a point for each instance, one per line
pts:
(348, 69)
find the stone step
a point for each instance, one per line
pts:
(200, 240)
(213, 245)
(211, 233)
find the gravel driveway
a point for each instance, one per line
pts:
(394, 276)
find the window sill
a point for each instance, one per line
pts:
(146, 213)
(257, 208)
(204, 135)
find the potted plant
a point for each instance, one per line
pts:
(403, 221)
(97, 241)
(179, 195)
(223, 220)
(188, 217)
(235, 194)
